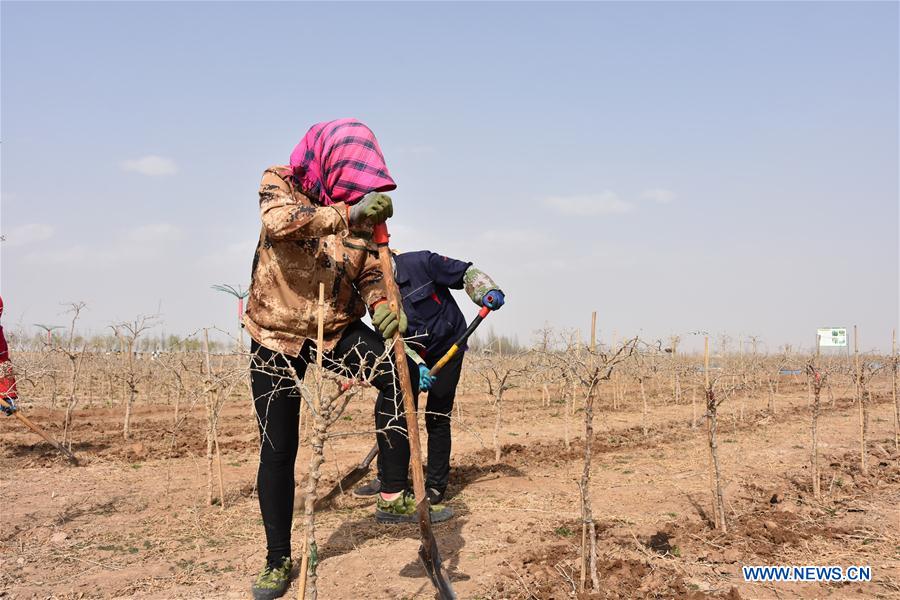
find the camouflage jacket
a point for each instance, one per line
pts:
(302, 244)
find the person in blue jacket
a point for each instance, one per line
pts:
(435, 323)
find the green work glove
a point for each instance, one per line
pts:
(388, 321)
(374, 208)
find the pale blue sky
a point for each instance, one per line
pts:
(674, 166)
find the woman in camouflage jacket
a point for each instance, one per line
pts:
(317, 218)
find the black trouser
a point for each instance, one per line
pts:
(437, 423)
(277, 404)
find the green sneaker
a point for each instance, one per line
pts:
(402, 509)
(272, 583)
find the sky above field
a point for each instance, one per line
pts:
(677, 167)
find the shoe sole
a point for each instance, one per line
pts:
(356, 494)
(268, 594)
(438, 516)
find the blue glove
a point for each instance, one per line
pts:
(426, 380)
(493, 299)
(8, 411)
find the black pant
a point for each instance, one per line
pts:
(437, 423)
(277, 404)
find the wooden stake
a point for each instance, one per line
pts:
(593, 332)
(644, 409)
(320, 334)
(894, 389)
(207, 402)
(676, 388)
(694, 406)
(584, 555)
(214, 426)
(863, 462)
(817, 392)
(219, 463)
(615, 382)
(706, 362)
(569, 410)
(304, 565)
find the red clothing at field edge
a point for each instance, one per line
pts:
(7, 379)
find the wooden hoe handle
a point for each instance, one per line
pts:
(40, 431)
(428, 552)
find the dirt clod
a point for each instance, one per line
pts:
(59, 537)
(136, 451)
(731, 555)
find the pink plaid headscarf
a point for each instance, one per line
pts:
(340, 161)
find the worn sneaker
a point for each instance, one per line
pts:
(272, 582)
(368, 490)
(435, 496)
(402, 509)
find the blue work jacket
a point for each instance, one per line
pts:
(435, 321)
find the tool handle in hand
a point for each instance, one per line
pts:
(40, 431)
(461, 341)
(380, 234)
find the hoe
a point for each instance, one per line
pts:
(40, 431)
(356, 474)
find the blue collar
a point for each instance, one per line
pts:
(400, 276)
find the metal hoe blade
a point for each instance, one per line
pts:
(348, 480)
(430, 555)
(431, 560)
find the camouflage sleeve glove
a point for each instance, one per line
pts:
(388, 322)
(478, 284)
(374, 208)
